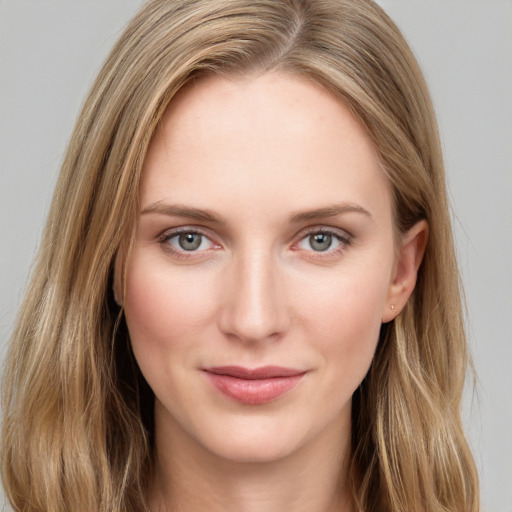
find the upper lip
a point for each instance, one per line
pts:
(262, 372)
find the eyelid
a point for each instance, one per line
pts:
(342, 234)
(170, 232)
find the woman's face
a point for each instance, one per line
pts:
(263, 266)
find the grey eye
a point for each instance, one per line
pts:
(320, 241)
(190, 241)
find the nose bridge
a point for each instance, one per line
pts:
(254, 308)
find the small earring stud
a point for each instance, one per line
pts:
(393, 307)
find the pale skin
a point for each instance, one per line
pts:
(265, 237)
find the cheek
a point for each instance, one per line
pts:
(344, 320)
(164, 309)
(346, 299)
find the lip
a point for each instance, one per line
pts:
(254, 386)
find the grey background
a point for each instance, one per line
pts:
(50, 51)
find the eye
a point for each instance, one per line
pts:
(323, 241)
(189, 241)
(186, 241)
(320, 241)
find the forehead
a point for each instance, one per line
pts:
(259, 137)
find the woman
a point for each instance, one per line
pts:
(246, 297)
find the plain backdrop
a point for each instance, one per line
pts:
(50, 51)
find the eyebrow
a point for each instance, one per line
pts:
(178, 210)
(329, 211)
(199, 214)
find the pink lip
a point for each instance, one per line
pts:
(254, 386)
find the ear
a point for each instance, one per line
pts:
(404, 276)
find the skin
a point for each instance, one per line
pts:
(257, 153)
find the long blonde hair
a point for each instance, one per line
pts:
(77, 429)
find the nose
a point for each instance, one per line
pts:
(254, 306)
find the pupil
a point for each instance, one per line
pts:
(189, 241)
(320, 241)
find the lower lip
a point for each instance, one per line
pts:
(254, 391)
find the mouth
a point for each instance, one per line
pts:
(254, 386)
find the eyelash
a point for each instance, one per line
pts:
(344, 240)
(164, 239)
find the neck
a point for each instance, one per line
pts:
(189, 478)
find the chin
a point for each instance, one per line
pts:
(258, 448)
(270, 436)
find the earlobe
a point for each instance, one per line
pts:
(408, 261)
